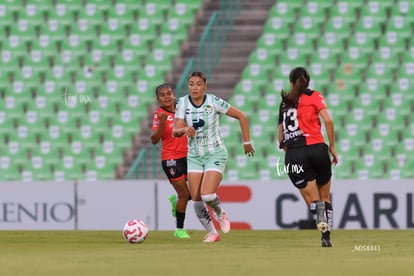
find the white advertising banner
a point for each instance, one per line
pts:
(107, 205)
(37, 206)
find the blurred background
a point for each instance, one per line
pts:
(77, 81)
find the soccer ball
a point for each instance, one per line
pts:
(135, 231)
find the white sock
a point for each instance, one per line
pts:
(214, 202)
(204, 216)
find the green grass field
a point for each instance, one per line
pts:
(382, 252)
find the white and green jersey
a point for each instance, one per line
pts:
(205, 119)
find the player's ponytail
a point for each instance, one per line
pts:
(299, 77)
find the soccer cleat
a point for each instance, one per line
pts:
(321, 221)
(224, 223)
(212, 237)
(181, 234)
(173, 201)
(326, 243)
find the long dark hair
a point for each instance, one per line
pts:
(300, 79)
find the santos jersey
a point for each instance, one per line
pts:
(301, 125)
(205, 119)
(172, 147)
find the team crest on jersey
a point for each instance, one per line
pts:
(209, 109)
(172, 171)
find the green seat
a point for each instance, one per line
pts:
(92, 14)
(372, 87)
(68, 169)
(123, 14)
(182, 12)
(394, 40)
(145, 28)
(294, 55)
(242, 102)
(161, 61)
(392, 117)
(168, 43)
(279, 26)
(309, 27)
(270, 42)
(401, 25)
(339, 25)
(346, 10)
(176, 28)
(384, 132)
(379, 147)
(354, 132)
(324, 58)
(361, 41)
(9, 170)
(317, 10)
(48, 151)
(73, 44)
(87, 137)
(401, 101)
(24, 30)
(118, 136)
(331, 41)
(285, 9)
(99, 171)
(369, 167)
(344, 169)
(377, 10)
(192, 5)
(381, 71)
(367, 103)
(128, 122)
(8, 14)
(264, 57)
(349, 148)
(358, 116)
(354, 58)
(403, 85)
(403, 8)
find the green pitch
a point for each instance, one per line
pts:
(362, 252)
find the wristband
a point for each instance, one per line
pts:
(247, 143)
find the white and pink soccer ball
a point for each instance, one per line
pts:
(135, 231)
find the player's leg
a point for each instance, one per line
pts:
(316, 206)
(303, 177)
(180, 186)
(323, 169)
(200, 208)
(324, 192)
(212, 178)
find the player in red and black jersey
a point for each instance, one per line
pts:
(307, 159)
(173, 155)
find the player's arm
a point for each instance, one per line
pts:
(244, 125)
(157, 132)
(329, 126)
(179, 128)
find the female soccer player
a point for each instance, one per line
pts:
(197, 116)
(174, 153)
(299, 134)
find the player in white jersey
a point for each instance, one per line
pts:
(197, 116)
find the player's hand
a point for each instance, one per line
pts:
(162, 117)
(190, 132)
(335, 159)
(249, 150)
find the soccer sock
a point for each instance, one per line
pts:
(312, 206)
(214, 202)
(180, 219)
(204, 216)
(329, 218)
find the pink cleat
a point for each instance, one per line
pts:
(212, 237)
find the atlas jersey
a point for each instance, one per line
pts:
(205, 119)
(172, 147)
(301, 125)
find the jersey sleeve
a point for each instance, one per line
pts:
(319, 102)
(220, 105)
(180, 109)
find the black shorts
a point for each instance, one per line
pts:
(307, 163)
(175, 169)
